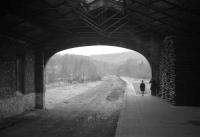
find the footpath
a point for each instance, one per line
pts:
(148, 116)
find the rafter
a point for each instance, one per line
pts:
(94, 27)
(164, 13)
(98, 21)
(103, 26)
(77, 11)
(116, 22)
(147, 25)
(101, 12)
(119, 27)
(20, 37)
(189, 24)
(29, 19)
(163, 23)
(182, 8)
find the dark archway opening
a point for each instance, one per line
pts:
(89, 83)
(78, 66)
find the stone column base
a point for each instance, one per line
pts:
(39, 100)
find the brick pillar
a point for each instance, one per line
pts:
(167, 70)
(39, 79)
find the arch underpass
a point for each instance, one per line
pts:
(166, 32)
(84, 67)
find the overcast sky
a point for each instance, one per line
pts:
(94, 50)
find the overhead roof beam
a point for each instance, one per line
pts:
(163, 23)
(121, 19)
(148, 24)
(111, 17)
(101, 12)
(94, 27)
(164, 13)
(20, 37)
(119, 27)
(182, 8)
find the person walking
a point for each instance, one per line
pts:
(142, 87)
(153, 87)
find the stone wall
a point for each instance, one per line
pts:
(29, 72)
(179, 71)
(7, 75)
(167, 71)
(13, 102)
(16, 105)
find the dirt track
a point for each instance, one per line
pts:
(96, 99)
(59, 92)
(93, 113)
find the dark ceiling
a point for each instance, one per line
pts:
(45, 20)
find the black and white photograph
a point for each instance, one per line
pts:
(99, 68)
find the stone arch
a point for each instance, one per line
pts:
(149, 48)
(116, 44)
(119, 44)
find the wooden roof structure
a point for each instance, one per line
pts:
(43, 20)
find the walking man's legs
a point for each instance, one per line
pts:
(142, 93)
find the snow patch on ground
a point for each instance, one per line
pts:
(58, 94)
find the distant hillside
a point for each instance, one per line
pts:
(79, 68)
(118, 58)
(134, 68)
(71, 68)
(105, 68)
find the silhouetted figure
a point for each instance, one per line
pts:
(153, 87)
(142, 87)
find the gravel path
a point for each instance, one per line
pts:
(149, 116)
(57, 94)
(92, 113)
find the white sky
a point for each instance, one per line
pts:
(94, 50)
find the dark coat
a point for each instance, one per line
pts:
(142, 87)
